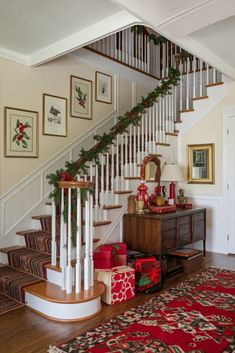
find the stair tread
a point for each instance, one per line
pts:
(171, 134)
(111, 207)
(133, 178)
(120, 192)
(39, 217)
(10, 248)
(23, 232)
(186, 110)
(101, 223)
(199, 97)
(13, 282)
(53, 293)
(162, 144)
(214, 84)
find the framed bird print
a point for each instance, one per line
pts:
(54, 115)
(21, 133)
(80, 97)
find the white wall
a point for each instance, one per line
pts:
(209, 130)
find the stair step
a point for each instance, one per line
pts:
(177, 131)
(53, 293)
(10, 248)
(29, 261)
(40, 217)
(39, 240)
(123, 192)
(101, 223)
(198, 98)
(13, 282)
(111, 207)
(186, 110)
(133, 178)
(171, 134)
(162, 144)
(155, 155)
(23, 232)
(178, 121)
(215, 84)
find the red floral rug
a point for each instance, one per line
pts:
(198, 316)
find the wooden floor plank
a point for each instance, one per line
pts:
(23, 331)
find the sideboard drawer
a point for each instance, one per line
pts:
(169, 224)
(198, 217)
(169, 240)
(183, 220)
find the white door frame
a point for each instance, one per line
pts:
(228, 112)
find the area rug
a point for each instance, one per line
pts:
(8, 304)
(197, 316)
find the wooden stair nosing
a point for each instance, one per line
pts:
(171, 134)
(111, 207)
(10, 248)
(41, 217)
(53, 293)
(133, 178)
(162, 144)
(155, 155)
(199, 98)
(123, 192)
(23, 232)
(214, 84)
(186, 111)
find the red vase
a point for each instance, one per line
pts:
(142, 193)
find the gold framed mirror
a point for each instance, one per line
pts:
(201, 164)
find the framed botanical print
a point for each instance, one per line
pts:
(54, 115)
(103, 87)
(80, 97)
(21, 133)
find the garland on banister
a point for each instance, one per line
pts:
(158, 39)
(132, 117)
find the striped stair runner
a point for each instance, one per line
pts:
(29, 261)
(8, 304)
(40, 241)
(13, 282)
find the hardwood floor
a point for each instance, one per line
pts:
(23, 331)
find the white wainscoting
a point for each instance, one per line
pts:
(216, 237)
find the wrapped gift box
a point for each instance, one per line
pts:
(119, 284)
(103, 258)
(109, 255)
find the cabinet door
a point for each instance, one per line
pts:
(169, 235)
(198, 226)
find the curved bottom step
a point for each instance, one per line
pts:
(48, 300)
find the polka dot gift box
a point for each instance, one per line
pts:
(119, 284)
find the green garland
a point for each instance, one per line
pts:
(132, 117)
(157, 40)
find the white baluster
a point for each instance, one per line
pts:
(97, 217)
(117, 162)
(126, 155)
(112, 174)
(102, 182)
(194, 77)
(63, 255)
(146, 133)
(91, 266)
(153, 127)
(122, 161)
(53, 234)
(149, 115)
(142, 136)
(69, 253)
(134, 152)
(200, 85)
(167, 58)
(106, 202)
(87, 246)
(78, 268)
(214, 75)
(187, 84)
(181, 86)
(130, 151)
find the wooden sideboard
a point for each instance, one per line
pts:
(160, 234)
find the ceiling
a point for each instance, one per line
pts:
(32, 31)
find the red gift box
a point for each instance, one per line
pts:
(115, 250)
(103, 259)
(119, 284)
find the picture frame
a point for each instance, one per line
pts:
(21, 133)
(80, 97)
(54, 114)
(103, 87)
(201, 164)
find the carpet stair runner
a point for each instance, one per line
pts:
(26, 265)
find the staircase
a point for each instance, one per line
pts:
(46, 273)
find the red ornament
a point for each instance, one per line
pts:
(142, 193)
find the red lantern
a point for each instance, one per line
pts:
(142, 193)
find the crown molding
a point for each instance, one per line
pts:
(14, 56)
